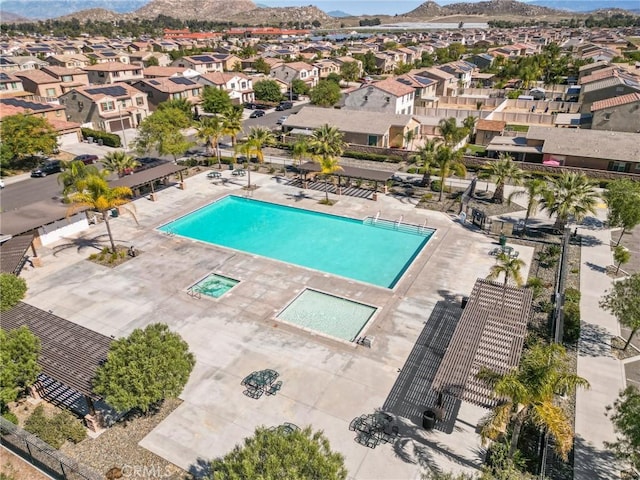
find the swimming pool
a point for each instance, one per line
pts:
(328, 314)
(214, 285)
(337, 245)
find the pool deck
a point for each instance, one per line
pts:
(326, 383)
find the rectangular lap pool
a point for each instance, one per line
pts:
(371, 252)
(334, 316)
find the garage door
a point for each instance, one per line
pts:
(117, 125)
(68, 139)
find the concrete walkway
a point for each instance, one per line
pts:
(596, 363)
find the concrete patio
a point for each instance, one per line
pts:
(326, 383)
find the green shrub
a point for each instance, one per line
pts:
(536, 285)
(13, 289)
(55, 430)
(571, 322)
(108, 139)
(376, 157)
(412, 170)
(572, 295)
(436, 185)
(545, 306)
(11, 417)
(426, 197)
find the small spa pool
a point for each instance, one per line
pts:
(327, 314)
(214, 285)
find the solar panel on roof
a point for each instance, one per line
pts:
(182, 81)
(4, 76)
(109, 54)
(203, 58)
(154, 82)
(114, 91)
(17, 102)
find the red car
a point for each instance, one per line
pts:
(87, 159)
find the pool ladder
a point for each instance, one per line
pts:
(423, 227)
(375, 220)
(398, 222)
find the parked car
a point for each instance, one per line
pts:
(47, 168)
(87, 158)
(257, 113)
(284, 106)
(282, 119)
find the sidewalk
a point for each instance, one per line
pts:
(596, 363)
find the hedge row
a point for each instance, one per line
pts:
(571, 311)
(372, 156)
(108, 139)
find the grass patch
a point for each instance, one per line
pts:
(517, 128)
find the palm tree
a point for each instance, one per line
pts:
(469, 124)
(248, 150)
(232, 121)
(448, 159)
(569, 195)
(74, 174)
(426, 155)
(450, 131)
(529, 393)
(409, 137)
(501, 171)
(119, 162)
(260, 137)
(211, 130)
(179, 103)
(327, 144)
(300, 150)
(509, 266)
(534, 188)
(97, 195)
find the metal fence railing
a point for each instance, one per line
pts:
(43, 456)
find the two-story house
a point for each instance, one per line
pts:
(326, 67)
(446, 83)
(386, 96)
(77, 60)
(620, 114)
(108, 73)
(203, 63)
(160, 90)
(40, 83)
(111, 108)
(69, 78)
(14, 64)
(461, 70)
(237, 85)
(424, 90)
(11, 86)
(288, 72)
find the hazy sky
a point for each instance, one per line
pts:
(354, 7)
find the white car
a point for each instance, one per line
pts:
(282, 119)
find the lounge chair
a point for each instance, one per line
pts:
(253, 393)
(273, 389)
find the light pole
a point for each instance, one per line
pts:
(124, 135)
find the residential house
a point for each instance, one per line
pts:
(424, 90)
(358, 127)
(18, 63)
(68, 132)
(621, 114)
(481, 60)
(386, 96)
(461, 70)
(385, 62)
(69, 78)
(486, 130)
(446, 83)
(326, 67)
(237, 85)
(575, 147)
(164, 46)
(204, 63)
(590, 68)
(115, 72)
(155, 72)
(288, 72)
(11, 86)
(108, 56)
(145, 57)
(346, 59)
(77, 60)
(160, 90)
(40, 83)
(111, 108)
(615, 86)
(228, 60)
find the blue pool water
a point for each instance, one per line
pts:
(334, 316)
(341, 246)
(214, 285)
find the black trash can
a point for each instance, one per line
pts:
(503, 240)
(464, 302)
(428, 419)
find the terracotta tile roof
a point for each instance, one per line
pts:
(599, 75)
(59, 71)
(491, 125)
(615, 101)
(392, 86)
(37, 76)
(112, 67)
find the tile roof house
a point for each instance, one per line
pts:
(237, 85)
(486, 130)
(11, 86)
(358, 127)
(288, 72)
(620, 114)
(110, 108)
(77, 60)
(16, 63)
(40, 83)
(203, 63)
(160, 90)
(614, 86)
(385, 96)
(114, 72)
(69, 77)
(447, 84)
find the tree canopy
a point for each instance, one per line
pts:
(144, 368)
(274, 453)
(623, 301)
(161, 131)
(215, 100)
(325, 94)
(267, 90)
(350, 71)
(18, 363)
(625, 416)
(623, 202)
(23, 136)
(13, 289)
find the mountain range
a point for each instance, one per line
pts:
(244, 11)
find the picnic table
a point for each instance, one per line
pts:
(260, 382)
(373, 429)
(239, 172)
(214, 174)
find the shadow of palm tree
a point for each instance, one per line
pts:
(591, 462)
(97, 242)
(595, 341)
(597, 268)
(589, 241)
(201, 469)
